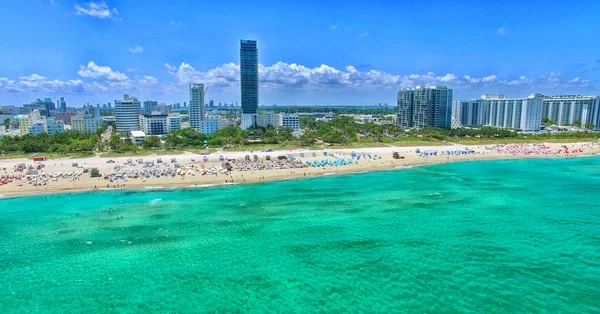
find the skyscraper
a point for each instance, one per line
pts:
(63, 105)
(196, 110)
(497, 111)
(249, 81)
(150, 105)
(421, 107)
(127, 114)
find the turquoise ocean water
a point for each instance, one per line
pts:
(485, 237)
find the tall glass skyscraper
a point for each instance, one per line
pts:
(249, 76)
(421, 107)
(196, 112)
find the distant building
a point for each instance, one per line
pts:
(497, 111)
(150, 105)
(223, 123)
(173, 122)
(422, 107)
(62, 105)
(154, 124)
(35, 128)
(85, 122)
(290, 121)
(196, 110)
(210, 126)
(9, 110)
(137, 136)
(277, 120)
(572, 109)
(249, 81)
(28, 108)
(267, 118)
(54, 126)
(127, 113)
(34, 123)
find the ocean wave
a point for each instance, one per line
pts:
(155, 201)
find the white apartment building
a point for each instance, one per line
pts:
(210, 126)
(364, 118)
(223, 123)
(196, 108)
(34, 123)
(290, 121)
(268, 118)
(54, 126)
(275, 120)
(248, 120)
(496, 111)
(572, 109)
(173, 122)
(127, 114)
(36, 128)
(85, 122)
(137, 137)
(154, 124)
(28, 120)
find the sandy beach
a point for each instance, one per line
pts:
(67, 175)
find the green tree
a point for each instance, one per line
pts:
(151, 141)
(548, 122)
(114, 142)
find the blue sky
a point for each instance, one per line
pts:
(311, 52)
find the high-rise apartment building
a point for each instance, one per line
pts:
(573, 110)
(150, 105)
(249, 81)
(422, 107)
(127, 114)
(196, 110)
(62, 105)
(497, 111)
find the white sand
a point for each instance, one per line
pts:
(386, 162)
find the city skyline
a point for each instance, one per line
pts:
(334, 59)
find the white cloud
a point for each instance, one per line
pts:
(284, 77)
(579, 80)
(223, 76)
(136, 49)
(489, 78)
(363, 35)
(176, 23)
(147, 80)
(291, 76)
(38, 83)
(96, 9)
(334, 27)
(92, 70)
(501, 31)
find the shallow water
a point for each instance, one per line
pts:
(488, 236)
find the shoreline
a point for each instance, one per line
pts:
(261, 176)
